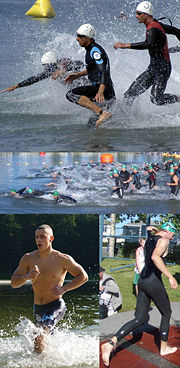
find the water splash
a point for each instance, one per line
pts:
(65, 348)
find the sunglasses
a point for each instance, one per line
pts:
(138, 13)
(80, 36)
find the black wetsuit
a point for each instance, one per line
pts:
(98, 69)
(151, 179)
(120, 186)
(174, 188)
(67, 64)
(159, 69)
(124, 176)
(150, 287)
(136, 180)
(65, 198)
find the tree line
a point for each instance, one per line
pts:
(76, 235)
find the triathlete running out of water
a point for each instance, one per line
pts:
(135, 178)
(174, 183)
(124, 176)
(150, 288)
(53, 67)
(117, 188)
(151, 179)
(47, 269)
(159, 69)
(97, 69)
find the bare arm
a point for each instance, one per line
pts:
(23, 273)
(9, 89)
(121, 45)
(161, 248)
(71, 77)
(76, 270)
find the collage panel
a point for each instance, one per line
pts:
(139, 296)
(89, 182)
(49, 291)
(89, 157)
(73, 82)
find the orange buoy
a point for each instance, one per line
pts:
(106, 158)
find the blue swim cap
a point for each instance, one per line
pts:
(169, 226)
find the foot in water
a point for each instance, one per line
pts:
(106, 350)
(168, 350)
(105, 115)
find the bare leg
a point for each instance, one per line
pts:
(88, 104)
(39, 342)
(165, 349)
(106, 350)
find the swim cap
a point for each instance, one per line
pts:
(169, 226)
(49, 57)
(115, 171)
(86, 30)
(55, 193)
(124, 166)
(145, 7)
(150, 167)
(13, 190)
(30, 190)
(171, 170)
(135, 168)
(111, 173)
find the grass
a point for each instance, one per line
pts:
(124, 279)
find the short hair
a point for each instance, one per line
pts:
(45, 227)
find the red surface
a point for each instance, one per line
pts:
(151, 342)
(106, 158)
(127, 359)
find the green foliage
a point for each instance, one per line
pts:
(125, 276)
(77, 235)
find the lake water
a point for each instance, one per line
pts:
(75, 342)
(40, 118)
(90, 184)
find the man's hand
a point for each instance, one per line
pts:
(57, 74)
(71, 77)
(33, 274)
(10, 89)
(121, 45)
(57, 290)
(99, 97)
(173, 282)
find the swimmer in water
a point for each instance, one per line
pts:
(47, 269)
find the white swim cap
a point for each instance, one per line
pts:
(145, 7)
(86, 30)
(49, 57)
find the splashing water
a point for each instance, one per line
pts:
(65, 348)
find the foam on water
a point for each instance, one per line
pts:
(65, 348)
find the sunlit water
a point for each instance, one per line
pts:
(90, 184)
(75, 342)
(40, 117)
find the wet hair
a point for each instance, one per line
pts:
(45, 227)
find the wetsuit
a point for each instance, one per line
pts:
(98, 69)
(61, 198)
(136, 180)
(120, 186)
(150, 287)
(159, 69)
(49, 314)
(66, 64)
(174, 188)
(124, 176)
(151, 179)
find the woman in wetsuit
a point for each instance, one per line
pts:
(174, 184)
(150, 288)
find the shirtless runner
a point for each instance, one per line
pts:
(47, 269)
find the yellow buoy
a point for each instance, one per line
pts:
(41, 9)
